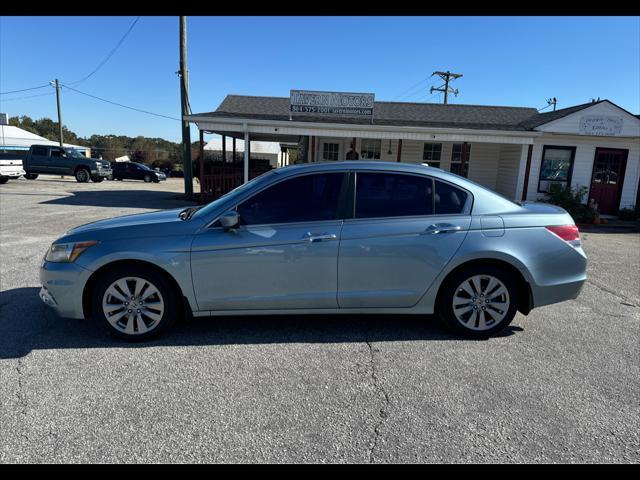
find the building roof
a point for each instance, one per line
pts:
(483, 117)
(542, 118)
(11, 136)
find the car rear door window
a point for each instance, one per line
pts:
(393, 195)
(302, 199)
(40, 151)
(449, 199)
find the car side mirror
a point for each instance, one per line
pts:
(230, 219)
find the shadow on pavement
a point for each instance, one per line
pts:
(26, 324)
(123, 198)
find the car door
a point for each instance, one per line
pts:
(284, 253)
(38, 160)
(405, 229)
(58, 161)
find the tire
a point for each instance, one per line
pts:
(490, 308)
(30, 176)
(97, 179)
(3, 180)
(147, 179)
(155, 320)
(82, 175)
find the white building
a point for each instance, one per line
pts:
(16, 139)
(515, 151)
(258, 150)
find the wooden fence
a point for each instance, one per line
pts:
(222, 178)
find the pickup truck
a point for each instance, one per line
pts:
(54, 160)
(10, 168)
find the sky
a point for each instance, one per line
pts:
(517, 61)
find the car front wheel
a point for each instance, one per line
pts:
(82, 175)
(147, 179)
(97, 179)
(134, 303)
(478, 301)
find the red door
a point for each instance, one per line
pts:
(608, 175)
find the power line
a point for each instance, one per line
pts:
(24, 89)
(101, 64)
(121, 105)
(410, 88)
(28, 96)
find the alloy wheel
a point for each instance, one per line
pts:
(481, 302)
(133, 305)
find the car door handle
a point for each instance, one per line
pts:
(436, 228)
(319, 237)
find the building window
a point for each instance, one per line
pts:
(456, 160)
(556, 168)
(330, 151)
(432, 154)
(370, 149)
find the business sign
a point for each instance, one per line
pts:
(331, 103)
(600, 125)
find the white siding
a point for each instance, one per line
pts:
(571, 123)
(508, 169)
(483, 164)
(583, 162)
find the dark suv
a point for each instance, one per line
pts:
(135, 171)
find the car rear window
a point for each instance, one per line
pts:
(393, 195)
(449, 199)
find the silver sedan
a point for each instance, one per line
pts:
(343, 238)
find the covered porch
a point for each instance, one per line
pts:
(496, 160)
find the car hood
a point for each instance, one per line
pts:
(134, 223)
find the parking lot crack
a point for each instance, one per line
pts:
(626, 300)
(383, 412)
(21, 396)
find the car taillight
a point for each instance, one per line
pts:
(568, 233)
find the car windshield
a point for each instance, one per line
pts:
(72, 152)
(210, 207)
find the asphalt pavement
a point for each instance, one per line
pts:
(561, 385)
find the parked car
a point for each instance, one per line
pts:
(10, 168)
(53, 160)
(136, 171)
(340, 237)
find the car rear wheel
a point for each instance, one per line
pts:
(97, 179)
(31, 176)
(147, 179)
(82, 175)
(478, 301)
(134, 303)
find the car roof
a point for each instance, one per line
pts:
(483, 196)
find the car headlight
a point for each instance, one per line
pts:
(67, 252)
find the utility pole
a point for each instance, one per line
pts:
(552, 101)
(447, 77)
(184, 92)
(57, 85)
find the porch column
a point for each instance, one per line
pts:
(524, 186)
(224, 148)
(246, 155)
(201, 164)
(399, 151)
(234, 150)
(464, 159)
(313, 148)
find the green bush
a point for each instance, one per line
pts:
(629, 213)
(571, 201)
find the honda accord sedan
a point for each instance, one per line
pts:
(341, 238)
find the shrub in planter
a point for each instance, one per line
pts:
(629, 213)
(571, 201)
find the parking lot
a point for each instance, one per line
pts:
(561, 385)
